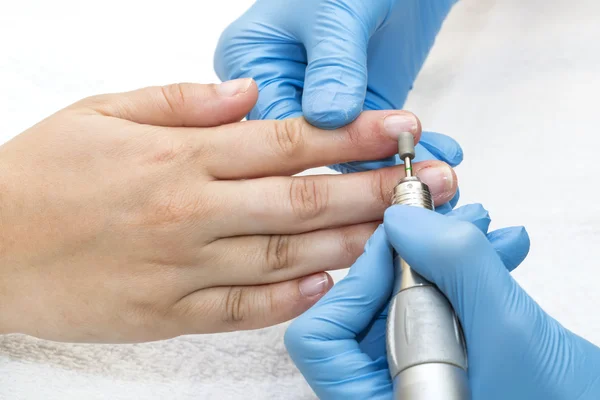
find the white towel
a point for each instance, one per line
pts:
(508, 78)
(240, 365)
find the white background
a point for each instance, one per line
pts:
(515, 81)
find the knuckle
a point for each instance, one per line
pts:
(139, 312)
(173, 96)
(351, 243)
(381, 190)
(193, 310)
(174, 207)
(234, 312)
(308, 198)
(278, 252)
(270, 307)
(168, 148)
(246, 308)
(354, 134)
(143, 312)
(288, 137)
(100, 104)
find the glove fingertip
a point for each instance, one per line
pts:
(329, 109)
(444, 209)
(458, 156)
(475, 214)
(512, 245)
(443, 147)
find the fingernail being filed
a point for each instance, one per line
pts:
(440, 179)
(234, 87)
(314, 285)
(396, 124)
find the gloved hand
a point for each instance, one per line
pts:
(516, 351)
(329, 60)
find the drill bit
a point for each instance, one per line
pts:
(406, 151)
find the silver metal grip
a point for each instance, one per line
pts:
(412, 192)
(425, 345)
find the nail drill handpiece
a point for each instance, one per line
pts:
(425, 345)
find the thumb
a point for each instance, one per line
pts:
(455, 255)
(180, 104)
(336, 49)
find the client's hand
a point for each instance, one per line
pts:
(151, 214)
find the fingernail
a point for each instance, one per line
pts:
(234, 87)
(440, 180)
(314, 285)
(398, 123)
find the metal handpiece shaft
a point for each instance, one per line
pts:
(426, 351)
(408, 167)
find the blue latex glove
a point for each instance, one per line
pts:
(310, 58)
(516, 351)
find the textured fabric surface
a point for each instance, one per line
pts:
(514, 81)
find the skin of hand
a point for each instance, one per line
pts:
(516, 351)
(151, 214)
(330, 59)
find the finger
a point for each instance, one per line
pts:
(512, 245)
(266, 148)
(336, 75)
(473, 213)
(268, 259)
(360, 166)
(442, 147)
(323, 339)
(431, 146)
(284, 205)
(278, 72)
(180, 104)
(249, 307)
